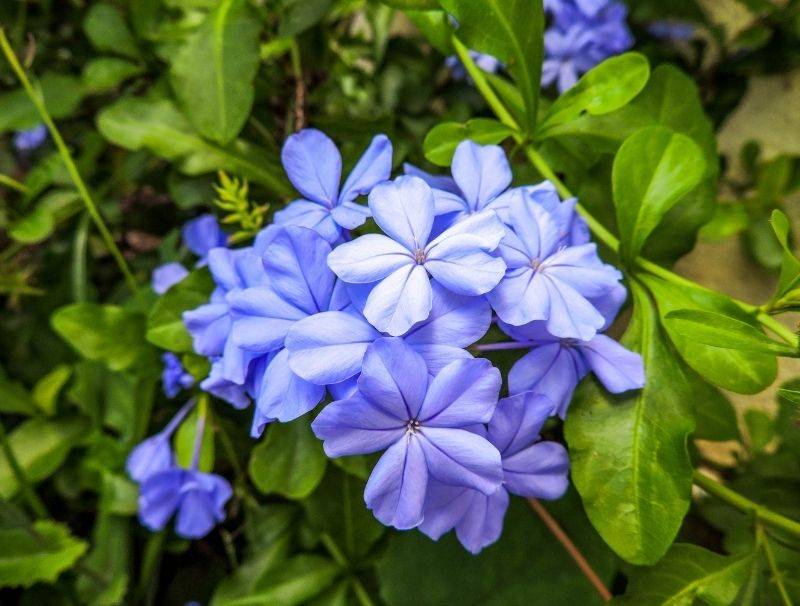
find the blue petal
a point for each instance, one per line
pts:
(400, 300)
(461, 458)
(535, 227)
(209, 326)
(374, 166)
(225, 389)
(481, 172)
(261, 318)
(394, 377)
(539, 471)
(368, 259)
(462, 394)
(159, 497)
(404, 210)
(202, 234)
(445, 505)
(350, 215)
(150, 457)
(305, 213)
(166, 276)
(313, 165)
(482, 523)
(202, 506)
(285, 396)
(618, 369)
(518, 420)
(440, 182)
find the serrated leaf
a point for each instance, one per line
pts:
(165, 326)
(441, 141)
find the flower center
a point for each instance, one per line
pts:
(413, 426)
(536, 263)
(419, 256)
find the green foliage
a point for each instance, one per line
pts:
(441, 141)
(63, 94)
(107, 30)
(165, 326)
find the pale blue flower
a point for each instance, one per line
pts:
(166, 276)
(28, 140)
(174, 376)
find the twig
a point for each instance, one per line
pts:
(299, 88)
(558, 532)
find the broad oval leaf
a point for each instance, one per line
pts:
(41, 222)
(441, 141)
(165, 327)
(653, 169)
(106, 29)
(629, 455)
(790, 265)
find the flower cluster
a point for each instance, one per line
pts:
(581, 34)
(387, 323)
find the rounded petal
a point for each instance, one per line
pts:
(350, 215)
(374, 166)
(618, 369)
(394, 377)
(539, 471)
(518, 420)
(482, 523)
(404, 210)
(440, 182)
(313, 165)
(445, 505)
(261, 318)
(166, 276)
(462, 267)
(202, 234)
(462, 394)
(481, 172)
(571, 315)
(159, 497)
(368, 258)
(395, 491)
(209, 326)
(400, 300)
(285, 396)
(461, 458)
(305, 213)
(534, 226)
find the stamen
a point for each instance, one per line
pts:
(413, 426)
(536, 263)
(419, 256)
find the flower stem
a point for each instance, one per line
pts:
(504, 345)
(554, 527)
(35, 503)
(38, 101)
(745, 505)
(13, 184)
(361, 593)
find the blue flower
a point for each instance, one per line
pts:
(203, 234)
(198, 498)
(166, 276)
(485, 62)
(155, 453)
(174, 377)
(582, 34)
(531, 468)
(421, 423)
(28, 140)
(299, 284)
(314, 166)
(548, 278)
(671, 30)
(401, 263)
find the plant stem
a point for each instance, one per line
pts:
(299, 87)
(554, 527)
(503, 345)
(762, 540)
(35, 503)
(66, 157)
(745, 505)
(779, 329)
(361, 593)
(80, 290)
(13, 184)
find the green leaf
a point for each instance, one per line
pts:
(433, 24)
(417, 5)
(686, 575)
(41, 222)
(512, 31)
(790, 265)
(165, 326)
(441, 141)
(45, 392)
(107, 31)
(110, 554)
(154, 123)
(653, 169)
(526, 566)
(629, 457)
(38, 554)
(792, 395)
(760, 428)
(715, 417)
(603, 89)
(40, 446)
(106, 73)
(289, 461)
(185, 439)
(212, 73)
(719, 330)
(14, 398)
(299, 15)
(104, 333)
(62, 95)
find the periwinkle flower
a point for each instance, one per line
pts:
(155, 454)
(28, 140)
(166, 276)
(531, 468)
(546, 278)
(421, 423)
(174, 376)
(203, 234)
(314, 166)
(402, 263)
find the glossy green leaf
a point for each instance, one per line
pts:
(40, 446)
(156, 124)
(186, 438)
(289, 461)
(62, 95)
(106, 73)
(715, 417)
(165, 327)
(792, 395)
(653, 169)
(37, 554)
(688, 575)
(629, 456)
(107, 30)
(441, 141)
(719, 330)
(790, 265)
(41, 222)
(512, 31)
(603, 89)
(105, 333)
(213, 71)
(731, 369)
(45, 392)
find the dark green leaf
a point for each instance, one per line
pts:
(14, 398)
(715, 417)
(165, 326)
(629, 457)
(441, 141)
(41, 222)
(106, 29)
(417, 5)
(289, 461)
(212, 73)
(62, 95)
(653, 169)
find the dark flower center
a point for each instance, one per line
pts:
(419, 256)
(413, 426)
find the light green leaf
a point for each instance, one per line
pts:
(41, 222)
(719, 330)
(760, 428)
(185, 439)
(790, 265)
(165, 327)
(14, 398)
(417, 5)
(688, 573)
(104, 333)
(792, 395)
(107, 31)
(40, 446)
(512, 31)
(213, 71)
(653, 169)
(154, 123)
(441, 141)
(629, 457)
(38, 554)
(45, 392)
(289, 461)
(62, 95)
(299, 15)
(603, 89)
(106, 73)
(433, 24)
(727, 368)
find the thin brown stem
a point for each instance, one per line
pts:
(299, 88)
(554, 527)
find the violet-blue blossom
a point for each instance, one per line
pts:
(402, 263)
(314, 166)
(421, 423)
(203, 234)
(531, 468)
(30, 139)
(166, 276)
(155, 453)
(484, 61)
(547, 278)
(174, 377)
